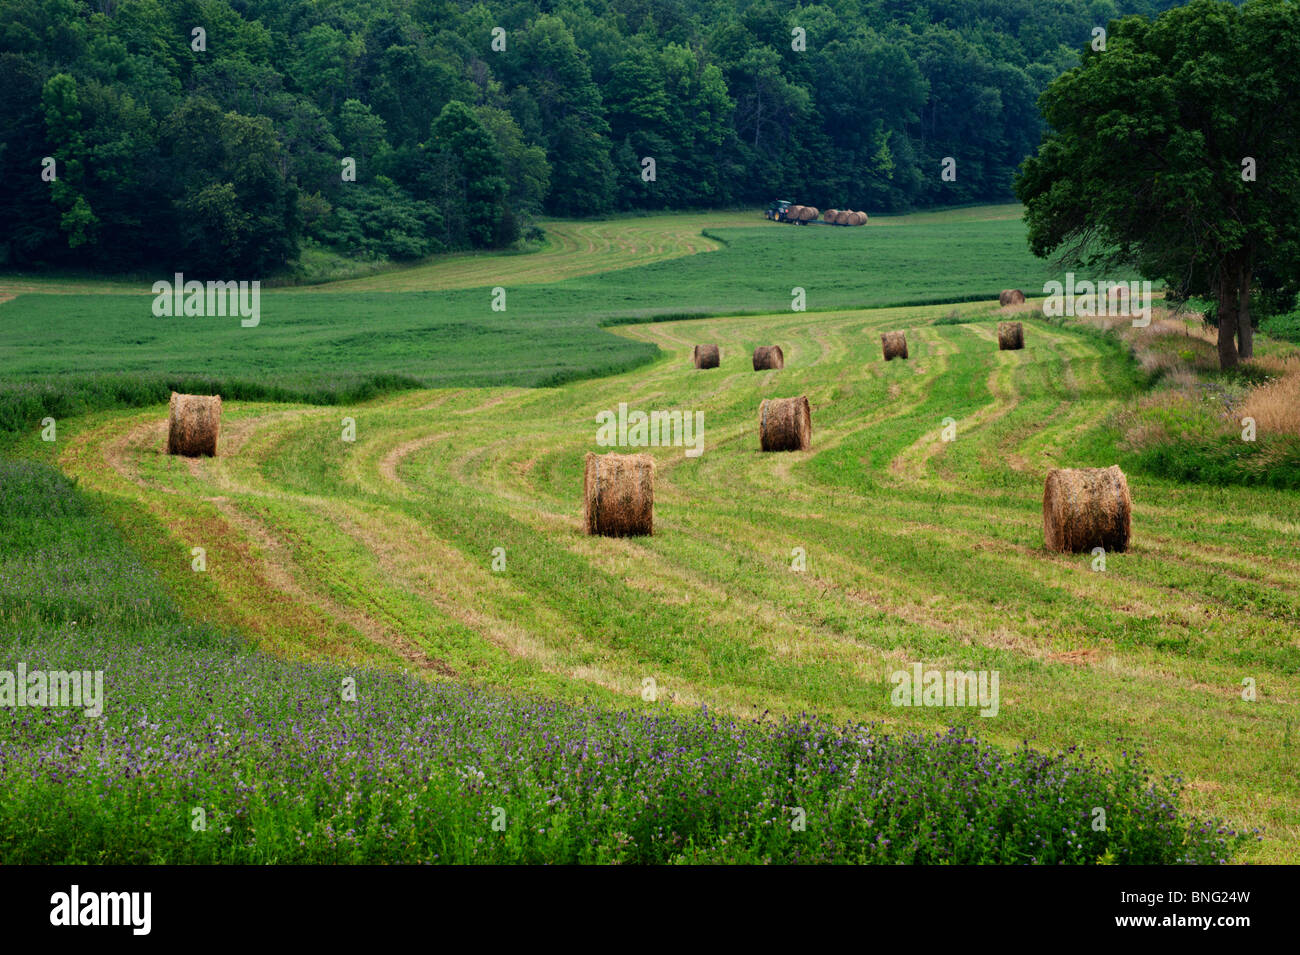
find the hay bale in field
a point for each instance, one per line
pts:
(1011, 336)
(793, 212)
(768, 356)
(844, 217)
(785, 424)
(858, 218)
(193, 424)
(830, 214)
(808, 213)
(1011, 296)
(1085, 508)
(707, 356)
(893, 344)
(618, 492)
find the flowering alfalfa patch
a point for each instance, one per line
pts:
(284, 770)
(207, 751)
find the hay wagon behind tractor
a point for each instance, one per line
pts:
(784, 210)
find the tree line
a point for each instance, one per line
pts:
(219, 136)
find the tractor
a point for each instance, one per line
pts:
(776, 211)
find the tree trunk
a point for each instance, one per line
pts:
(1245, 334)
(1229, 301)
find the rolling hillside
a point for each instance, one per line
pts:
(917, 550)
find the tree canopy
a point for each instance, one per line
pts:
(214, 133)
(1172, 152)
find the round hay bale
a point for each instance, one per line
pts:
(768, 356)
(1085, 508)
(793, 212)
(1011, 336)
(844, 217)
(193, 424)
(618, 492)
(830, 214)
(859, 218)
(1011, 296)
(808, 213)
(785, 424)
(893, 344)
(707, 356)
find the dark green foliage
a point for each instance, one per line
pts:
(1172, 154)
(215, 160)
(474, 186)
(1285, 326)
(378, 220)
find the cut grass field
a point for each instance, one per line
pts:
(61, 354)
(918, 550)
(380, 552)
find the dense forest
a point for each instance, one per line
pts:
(223, 135)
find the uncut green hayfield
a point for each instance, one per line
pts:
(321, 346)
(918, 550)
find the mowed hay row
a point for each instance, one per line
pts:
(707, 356)
(193, 424)
(768, 356)
(893, 344)
(618, 492)
(1011, 336)
(1011, 296)
(785, 424)
(1085, 508)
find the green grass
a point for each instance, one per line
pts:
(209, 752)
(1285, 326)
(918, 550)
(67, 353)
(380, 552)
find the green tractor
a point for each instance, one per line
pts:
(776, 211)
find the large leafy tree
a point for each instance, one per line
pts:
(473, 166)
(555, 88)
(236, 213)
(1152, 143)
